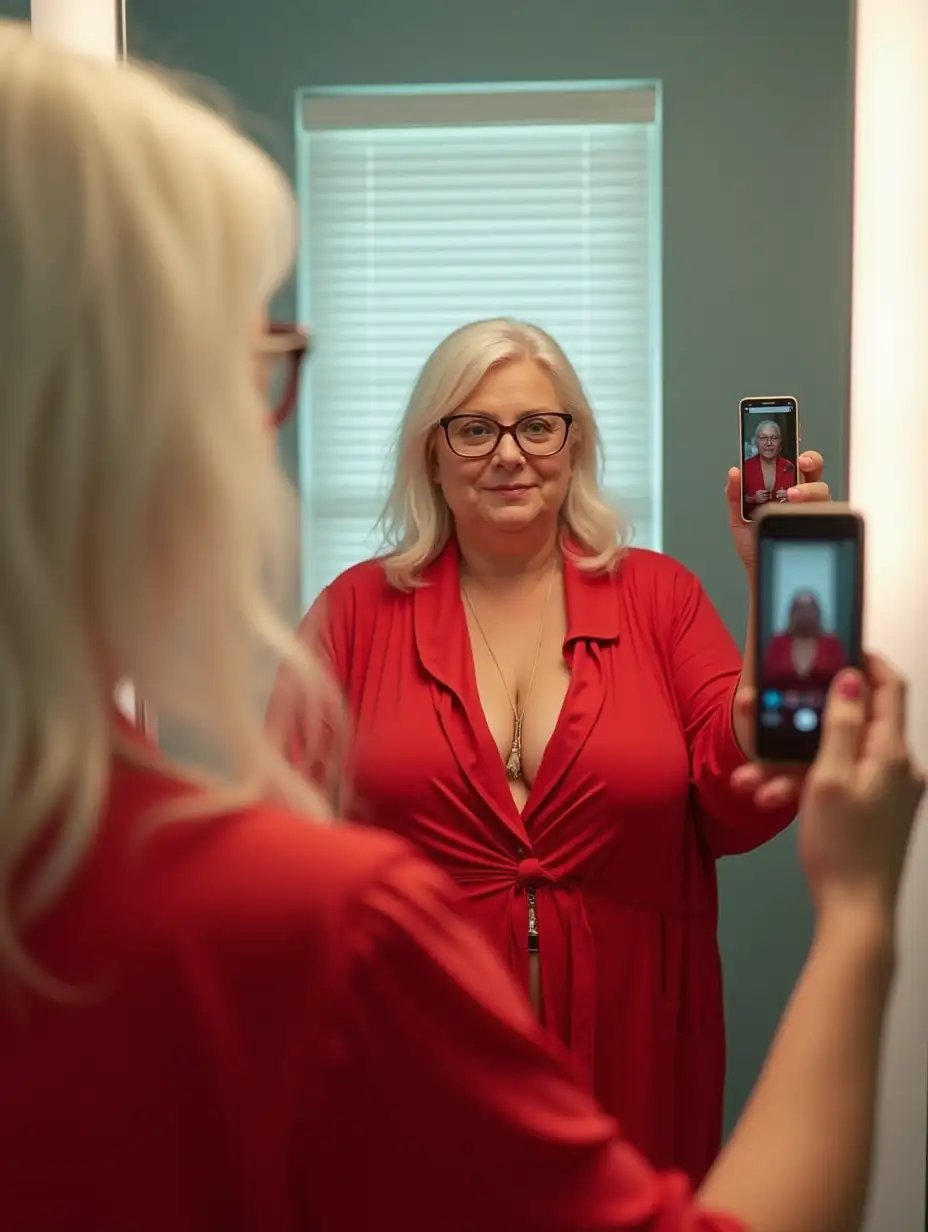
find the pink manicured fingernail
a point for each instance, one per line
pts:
(849, 685)
(792, 493)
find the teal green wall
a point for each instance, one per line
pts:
(756, 258)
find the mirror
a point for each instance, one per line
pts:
(747, 292)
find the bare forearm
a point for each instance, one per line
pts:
(800, 1155)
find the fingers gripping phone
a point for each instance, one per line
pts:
(808, 618)
(769, 452)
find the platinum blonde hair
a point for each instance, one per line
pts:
(143, 518)
(770, 425)
(416, 519)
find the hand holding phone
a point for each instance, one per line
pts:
(808, 618)
(860, 796)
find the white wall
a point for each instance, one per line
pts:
(89, 26)
(889, 418)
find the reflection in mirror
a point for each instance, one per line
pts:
(579, 787)
(556, 718)
(683, 263)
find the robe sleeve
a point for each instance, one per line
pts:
(446, 1107)
(705, 668)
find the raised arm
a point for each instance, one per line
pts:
(705, 669)
(806, 1135)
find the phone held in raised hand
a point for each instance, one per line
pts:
(808, 618)
(769, 429)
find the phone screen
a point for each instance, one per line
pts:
(808, 628)
(769, 451)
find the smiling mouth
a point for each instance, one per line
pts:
(511, 487)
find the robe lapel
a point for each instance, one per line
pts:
(592, 625)
(443, 646)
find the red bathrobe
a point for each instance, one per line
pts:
(280, 1026)
(753, 478)
(630, 809)
(779, 672)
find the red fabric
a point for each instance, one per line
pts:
(753, 477)
(288, 1027)
(629, 811)
(779, 672)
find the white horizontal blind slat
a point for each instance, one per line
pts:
(409, 233)
(327, 112)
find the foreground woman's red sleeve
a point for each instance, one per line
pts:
(444, 1109)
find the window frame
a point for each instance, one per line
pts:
(492, 104)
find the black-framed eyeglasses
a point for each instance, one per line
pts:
(283, 349)
(540, 434)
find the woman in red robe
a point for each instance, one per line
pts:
(548, 716)
(767, 476)
(803, 656)
(216, 1015)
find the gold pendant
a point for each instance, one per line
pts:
(514, 760)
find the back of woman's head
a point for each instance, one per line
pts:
(417, 520)
(142, 514)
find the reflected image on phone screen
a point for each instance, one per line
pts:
(809, 629)
(770, 452)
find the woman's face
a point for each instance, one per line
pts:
(508, 491)
(768, 443)
(806, 616)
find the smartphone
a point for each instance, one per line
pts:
(769, 452)
(808, 619)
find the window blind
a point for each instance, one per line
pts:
(422, 212)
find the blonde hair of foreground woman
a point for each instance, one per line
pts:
(143, 517)
(416, 519)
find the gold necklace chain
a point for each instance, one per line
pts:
(514, 760)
